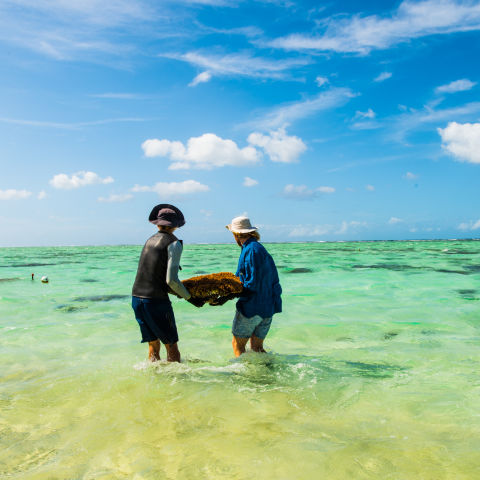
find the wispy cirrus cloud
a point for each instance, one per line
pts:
(382, 77)
(238, 64)
(119, 96)
(401, 125)
(363, 33)
(67, 125)
(456, 86)
(291, 112)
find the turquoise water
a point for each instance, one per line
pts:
(373, 370)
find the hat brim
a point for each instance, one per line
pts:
(180, 221)
(241, 230)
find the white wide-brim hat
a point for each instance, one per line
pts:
(241, 225)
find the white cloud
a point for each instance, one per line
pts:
(249, 182)
(326, 189)
(361, 34)
(200, 78)
(394, 221)
(279, 146)
(302, 192)
(366, 125)
(115, 198)
(410, 176)
(321, 80)
(462, 141)
(327, 229)
(456, 86)
(204, 152)
(12, 194)
(239, 64)
(76, 180)
(383, 76)
(173, 189)
(469, 226)
(347, 226)
(370, 188)
(368, 114)
(42, 195)
(286, 114)
(311, 231)
(298, 191)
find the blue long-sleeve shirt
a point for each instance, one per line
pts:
(259, 276)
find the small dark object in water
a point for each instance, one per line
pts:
(390, 335)
(101, 298)
(374, 370)
(69, 308)
(88, 280)
(300, 270)
(468, 291)
(8, 279)
(444, 270)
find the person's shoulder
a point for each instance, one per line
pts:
(256, 247)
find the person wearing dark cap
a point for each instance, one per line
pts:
(261, 296)
(157, 272)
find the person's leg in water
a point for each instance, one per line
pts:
(238, 344)
(257, 344)
(154, 351)
(173, 353)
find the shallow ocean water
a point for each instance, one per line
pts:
(373, 370)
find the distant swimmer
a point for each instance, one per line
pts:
(33, 275)
(157, 271)
(262, 291)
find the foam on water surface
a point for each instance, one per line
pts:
(372, 371)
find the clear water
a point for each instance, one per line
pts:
(373, 371)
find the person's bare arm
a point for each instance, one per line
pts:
(174, 253)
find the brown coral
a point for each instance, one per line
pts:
(215, 288)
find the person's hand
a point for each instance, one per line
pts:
(196, 301)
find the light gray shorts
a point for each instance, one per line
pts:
(244, 327)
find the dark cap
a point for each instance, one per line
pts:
(166, 215)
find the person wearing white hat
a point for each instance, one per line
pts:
(261, 296)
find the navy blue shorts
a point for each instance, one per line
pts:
(156, 319)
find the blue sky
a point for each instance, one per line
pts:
(321, 121)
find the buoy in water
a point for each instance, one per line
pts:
(44, 279)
